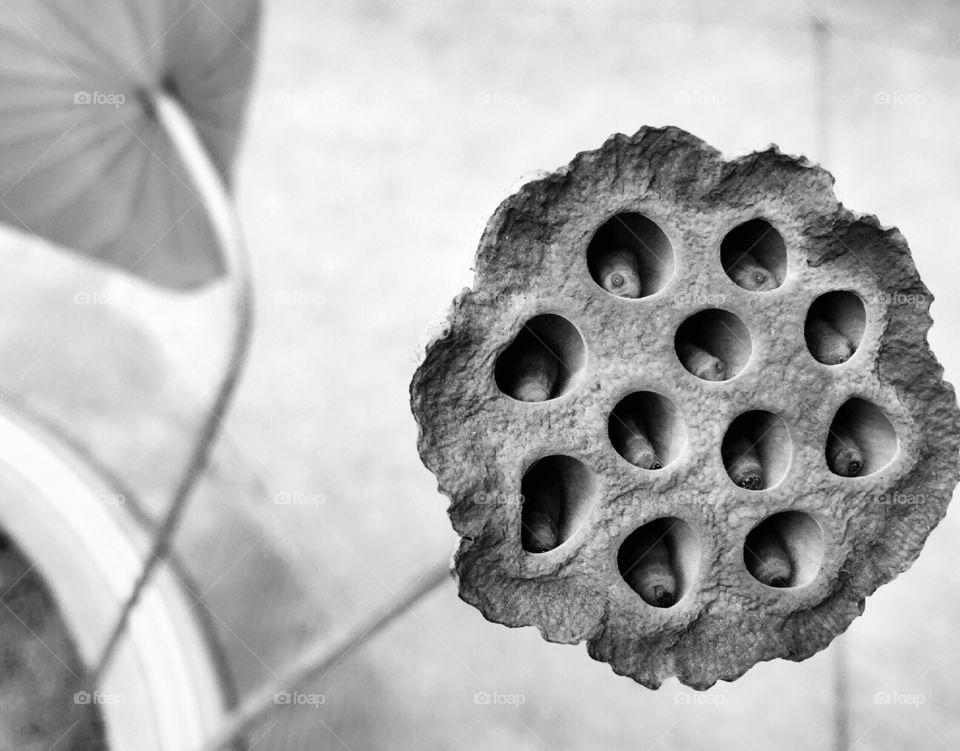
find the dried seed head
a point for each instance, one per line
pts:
(669, 197)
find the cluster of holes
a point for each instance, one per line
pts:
(659, 560)
(630, 257)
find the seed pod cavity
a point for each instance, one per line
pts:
(652, 576)
(619, 273)
(701, 363)
(540, 519)
(634, 444)
(752, 275)
(844, 456)
(742, 460)
(767, 557)
(827, 344)
(535, 375)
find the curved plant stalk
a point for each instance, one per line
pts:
(320, 658)
(213, 196)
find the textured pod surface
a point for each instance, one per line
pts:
(691, 218)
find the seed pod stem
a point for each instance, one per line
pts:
(844, 456)
(633, 443)
(535, 375)
(743, 463)
(619, 273)
(827, 344)
(701, 363)
(768, 559)
(750, 274)
(651, 575)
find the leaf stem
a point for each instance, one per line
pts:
(213, 195)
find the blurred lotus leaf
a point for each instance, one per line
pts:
(84, 161)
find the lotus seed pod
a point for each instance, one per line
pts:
(767, 558)
(688, 215)
(619, 273)
(827, 344)
(843, 454)
(743, 463)
(634, 444)
(535, 376)
(752, 275)
(651, 575)
(701, 363)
